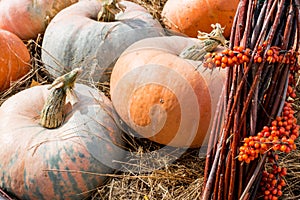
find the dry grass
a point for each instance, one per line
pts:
(179, 176)
(151, 174)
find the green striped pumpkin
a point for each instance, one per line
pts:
(41, 163)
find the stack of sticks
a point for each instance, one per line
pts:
(254, 95)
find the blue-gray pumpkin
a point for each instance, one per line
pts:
(75, 38)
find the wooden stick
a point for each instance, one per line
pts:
(256, 172)
(258, 25)
(213, 135)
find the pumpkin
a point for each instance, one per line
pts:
(162, 96)
(63, 162)
(190, 16)
(14, 59)
(27, 18)
(75, 38)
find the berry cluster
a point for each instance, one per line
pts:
(291, 92)
(275, 54)
(227, 58)
(272, 182)
(240, 55)
(280, 136)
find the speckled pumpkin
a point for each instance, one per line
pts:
(191, 16)
(27, 18)
(163, 97)
(14, 59)
(41, 163)
(74, 38)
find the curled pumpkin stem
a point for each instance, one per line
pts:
(207, 43)
(52, 115)
(109, 10)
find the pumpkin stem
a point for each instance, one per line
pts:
(207, 43)
(109, 10)
(52, 115)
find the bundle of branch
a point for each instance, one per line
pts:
(258, 119)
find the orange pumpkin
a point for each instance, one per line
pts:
(14, 59)
(191, 16)
(161, 96)
(27, 18)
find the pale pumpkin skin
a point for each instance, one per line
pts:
(27, 18)
(162, 96)
(32, 156)
(14, 59)
(190, 16)
(74, 38)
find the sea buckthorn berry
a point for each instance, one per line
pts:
(259, 59)
(223, 65)
(283, 148)
(229, 62)
(218, 63)
(245, 58)
(231, 53)
(269, 52)
(225, 51)
(247, 51)
(239, 56)
(224, 59)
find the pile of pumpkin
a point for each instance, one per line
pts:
(154, 93)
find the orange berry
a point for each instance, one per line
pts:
(267, 134)
(240, 158)
(274, 123)
(248, 160)
(230, 62)
(283, 171)
(274, 182)
(234, 59)
(282, 183)
(283, 148)
(224, 59)
(266, 128)
(218, 63)
(264, 146)
(245, 58)
(225, 51)
(246, 140)
(223, 65)
(230, 53)
(269, 52)
(290, 141)
(267, 192)
(218, 57)
(259, 59)
(251, 143)
(256, 145)
(247, 51)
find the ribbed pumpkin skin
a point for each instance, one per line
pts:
(82, 143)
(14, 59)
(27, 18)
(74, 38)
(161, 96)
(191, 16)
